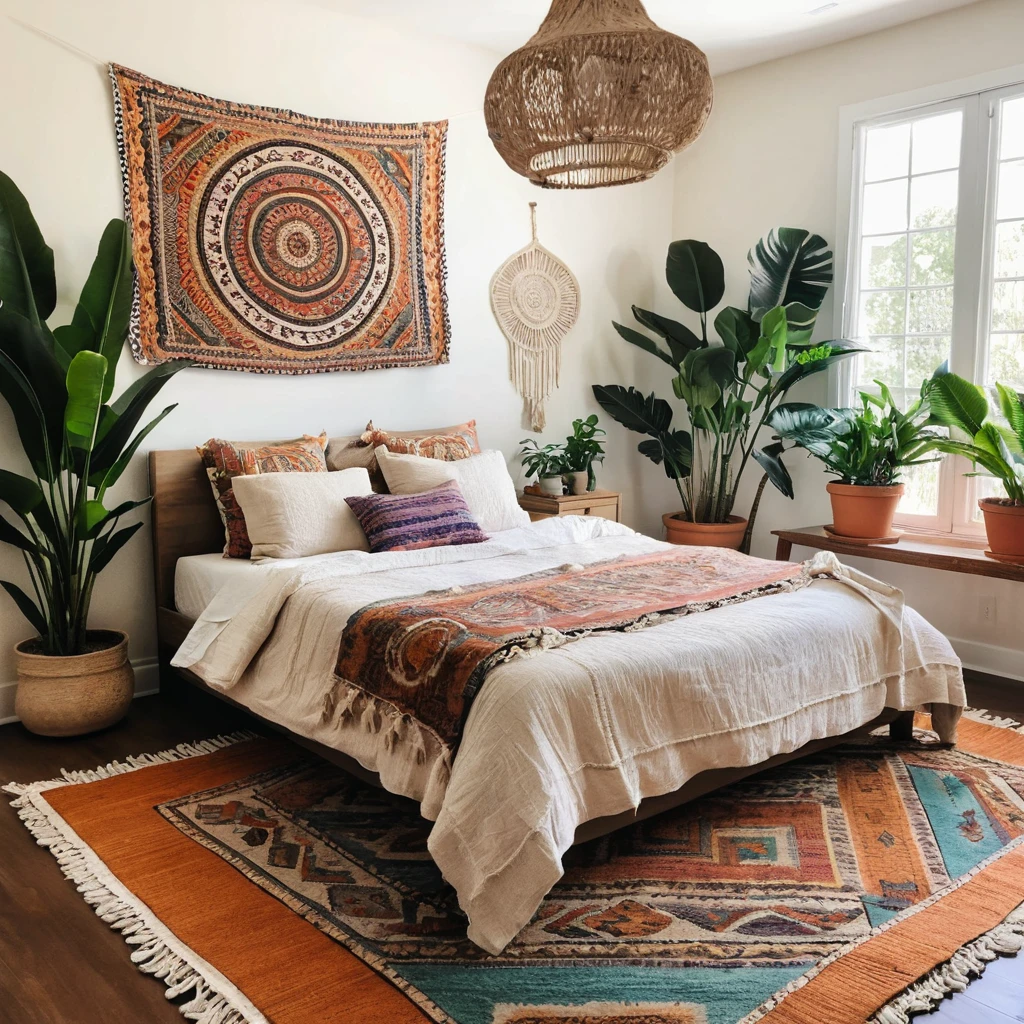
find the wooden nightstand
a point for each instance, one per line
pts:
(605, 504)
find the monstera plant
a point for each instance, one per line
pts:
(730, 385)
(78, 439)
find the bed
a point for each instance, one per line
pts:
(563, 746)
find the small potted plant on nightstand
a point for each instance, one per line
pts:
(582, 449)
(868, 449)
(548, 464)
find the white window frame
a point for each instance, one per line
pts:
(976, 97)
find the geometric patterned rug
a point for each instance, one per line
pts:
(858, 884)
(698, 915)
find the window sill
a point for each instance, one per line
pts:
(953, 540)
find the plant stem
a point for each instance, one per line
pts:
(748, 534)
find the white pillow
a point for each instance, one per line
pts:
(483, 479)
(302, 515)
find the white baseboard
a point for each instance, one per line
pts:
(147, 682)
(996, 661)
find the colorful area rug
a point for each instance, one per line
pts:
(869, 880)
(269, 241)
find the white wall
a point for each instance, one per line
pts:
(769, 157)
(58, 144)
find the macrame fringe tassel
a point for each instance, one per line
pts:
(535, 373)
(156, 952)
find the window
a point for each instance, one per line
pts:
(935, 267)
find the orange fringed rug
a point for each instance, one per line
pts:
(260, 885)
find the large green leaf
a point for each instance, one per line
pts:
(775, 330)
(101, 318)
(85, 381)
(646, 415)
(808, 425)
(956, 402)
(769, 459)
(1012, 408)
(32, 382)
(695, 274)
(715, 363)
(27, 282)
(109, 476)
(127, 410)
(97, 517)
(21, 493)
(642, 341)
(673, 449)
(26, 606)
(12, 535)
(679, 337)
(738, 330)
(104, 549)
(791, 267)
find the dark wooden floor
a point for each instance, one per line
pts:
(59, 964)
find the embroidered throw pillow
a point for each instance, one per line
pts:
(347, 452)
(406, 522)
(224, 460)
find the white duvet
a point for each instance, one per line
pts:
(581, 731)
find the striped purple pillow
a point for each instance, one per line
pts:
(405, 522)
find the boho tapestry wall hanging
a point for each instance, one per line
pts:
(269, 241)
(536, 301)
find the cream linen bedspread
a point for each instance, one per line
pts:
(585, 730)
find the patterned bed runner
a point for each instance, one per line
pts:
(426, 657)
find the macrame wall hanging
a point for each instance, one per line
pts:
(536, 301)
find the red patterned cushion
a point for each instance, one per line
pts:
(225, 460)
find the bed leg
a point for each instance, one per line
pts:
(901, 728)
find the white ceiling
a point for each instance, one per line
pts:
(734, 33)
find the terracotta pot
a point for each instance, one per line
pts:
(551, 486)
(1004, 525)
(80, 693)
(705, 535)
(863, 512)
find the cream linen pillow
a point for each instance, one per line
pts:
(292, 515)
(483, 479)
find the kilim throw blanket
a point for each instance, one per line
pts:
(426, 657)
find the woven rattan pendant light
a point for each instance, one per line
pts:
(599, 96)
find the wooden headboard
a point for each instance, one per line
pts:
(185, 516)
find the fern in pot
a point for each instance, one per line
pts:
(868, 449)
(77, 440)
(729, 385)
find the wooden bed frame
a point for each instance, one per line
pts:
(186, 522)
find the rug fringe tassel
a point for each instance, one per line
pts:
(152, 954)
(955, 974)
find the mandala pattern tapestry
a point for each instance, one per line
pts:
(269, 241)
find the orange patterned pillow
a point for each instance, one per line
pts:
(225, 460)
(446, 447)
